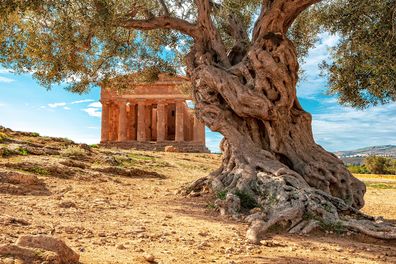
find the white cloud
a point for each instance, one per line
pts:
(93, 112)
(2, 104)
(6, 80)
(67, 108)
(95, 105)
(2, 71)
(82, 101)
(55, 105)
(345, 128)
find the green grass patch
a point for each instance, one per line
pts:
(36, 170)
(380, 185)
(247, 201)
(222, 195)
(73, 151)
(335, 227)
(137, 156)
(23, 152)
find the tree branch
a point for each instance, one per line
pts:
(278, 15)
(206, 23)
(163, 4)
(164, 22)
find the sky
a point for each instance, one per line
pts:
(26, 106)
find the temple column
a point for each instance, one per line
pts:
(161, 121)
(114, 122)
(105, 122)
(122, 121)
(141, 124)
(179, 129)
(154, 134)
(199, 131)
(132, 121)
(148, 120)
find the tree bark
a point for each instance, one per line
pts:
(269, 154)
(270, 159)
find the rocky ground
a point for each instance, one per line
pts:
(118, 206)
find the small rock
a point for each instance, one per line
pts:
(148, 257)
(121, 246)
(66, 254)
(67, 204)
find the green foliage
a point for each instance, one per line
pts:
(37, 170)
(330, 226)
(362, 71)
(358, 169)
(88, 44)
(380, 165)
(222, 195)
(211, 206)
(247, 201)
(73, 151)
(34, 134)
(23, 152)
(94, 146)
(5, 152)
(3, 137)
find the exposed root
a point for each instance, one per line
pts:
(285, 201)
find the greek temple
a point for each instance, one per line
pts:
(151, 116)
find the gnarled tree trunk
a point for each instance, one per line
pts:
(269, 153)
(248, 94)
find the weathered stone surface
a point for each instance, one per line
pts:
(30, 255)
(170, 149)
(16, 183)
(48, 243)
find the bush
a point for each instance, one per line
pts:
(358, 169)
(73, 151)
(380, 165)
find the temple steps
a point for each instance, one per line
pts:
(185, 146)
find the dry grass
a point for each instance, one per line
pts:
(146, 215)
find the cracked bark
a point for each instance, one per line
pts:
(249, 96)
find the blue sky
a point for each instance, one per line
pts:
(26, 106)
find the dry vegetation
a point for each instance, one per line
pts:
(114, 206)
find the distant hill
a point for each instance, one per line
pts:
(357, 156)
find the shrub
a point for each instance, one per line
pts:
(3, 137)
(94, 146)
(73, 151)
(23, 151)
(380, 165)
(358, 169)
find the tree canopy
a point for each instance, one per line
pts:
(87, 42)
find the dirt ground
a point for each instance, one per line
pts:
(110, 218)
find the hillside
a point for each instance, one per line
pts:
(357, 156)
(386, 150)
(122, 206)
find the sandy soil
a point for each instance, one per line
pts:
(108, 218)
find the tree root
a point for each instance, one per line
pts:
(285, 201)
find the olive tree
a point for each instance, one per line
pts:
(242, 57)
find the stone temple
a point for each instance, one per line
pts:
(151, 116)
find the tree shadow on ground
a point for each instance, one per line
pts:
(198, 207)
